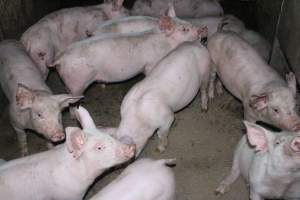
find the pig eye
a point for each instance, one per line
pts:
(184, 29)
(39, 115)
(99, 147)
(277, 141)
(275, 110)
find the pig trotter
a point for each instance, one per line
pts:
(235, 173)
(219, 87)
(211, 86)
(162, 144)
(163, 132)
(204, 100)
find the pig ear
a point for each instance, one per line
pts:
(295, 144)
(65, 100)
(24, 96)
(291, 81)
(171, 10)
(85, 119)
(257, 136)
(258, 102)
(166, 24)
(75, 141)
(117, 4)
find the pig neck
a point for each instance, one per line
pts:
(77, 170)
(135, 127)
(276, 170)
(266, 86)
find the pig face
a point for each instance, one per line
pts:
(114, 9)
(94, 146)
(98, 149)
(283, 147)
(277, 107)
(44, 110)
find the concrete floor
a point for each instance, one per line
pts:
(203, 143)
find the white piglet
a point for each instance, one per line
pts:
(269, 162)
(118, 57)
(31, 102)
(66, 171)
(172, 85)
(54, 32)
(145, 179)
(265, 95)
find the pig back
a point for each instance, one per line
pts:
(177, 77)
(136, 183)
(127, 25)
(241, 69)
(17, 67)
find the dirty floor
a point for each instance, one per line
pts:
(202, 142)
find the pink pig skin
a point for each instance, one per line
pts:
(32, 104)
(54, 32)
(66, 171)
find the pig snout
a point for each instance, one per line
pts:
(57, 136)
(295, 144)
(202, 32)
(129, 151)
(296, 127)
(293, 124)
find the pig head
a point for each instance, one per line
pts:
(44, 111)
(277, 106)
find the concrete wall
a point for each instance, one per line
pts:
(267, 12)
(289, 34)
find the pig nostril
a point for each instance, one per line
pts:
(296, 127)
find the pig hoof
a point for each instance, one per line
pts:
(220, 190)
(161, 149)
(204, 109)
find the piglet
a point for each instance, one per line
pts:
(66, 171)
(145, 179)
(265, 95)
(54, 32)
(31, 103)
(134, 24)
(269, 162)
(184, 8)
(118, 57)
(172, 85)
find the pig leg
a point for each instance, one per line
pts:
(211, 85)
(219, 87)
(163, 131)
(204, 99)
(234, 174)
(255, 196)
(22, 139)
